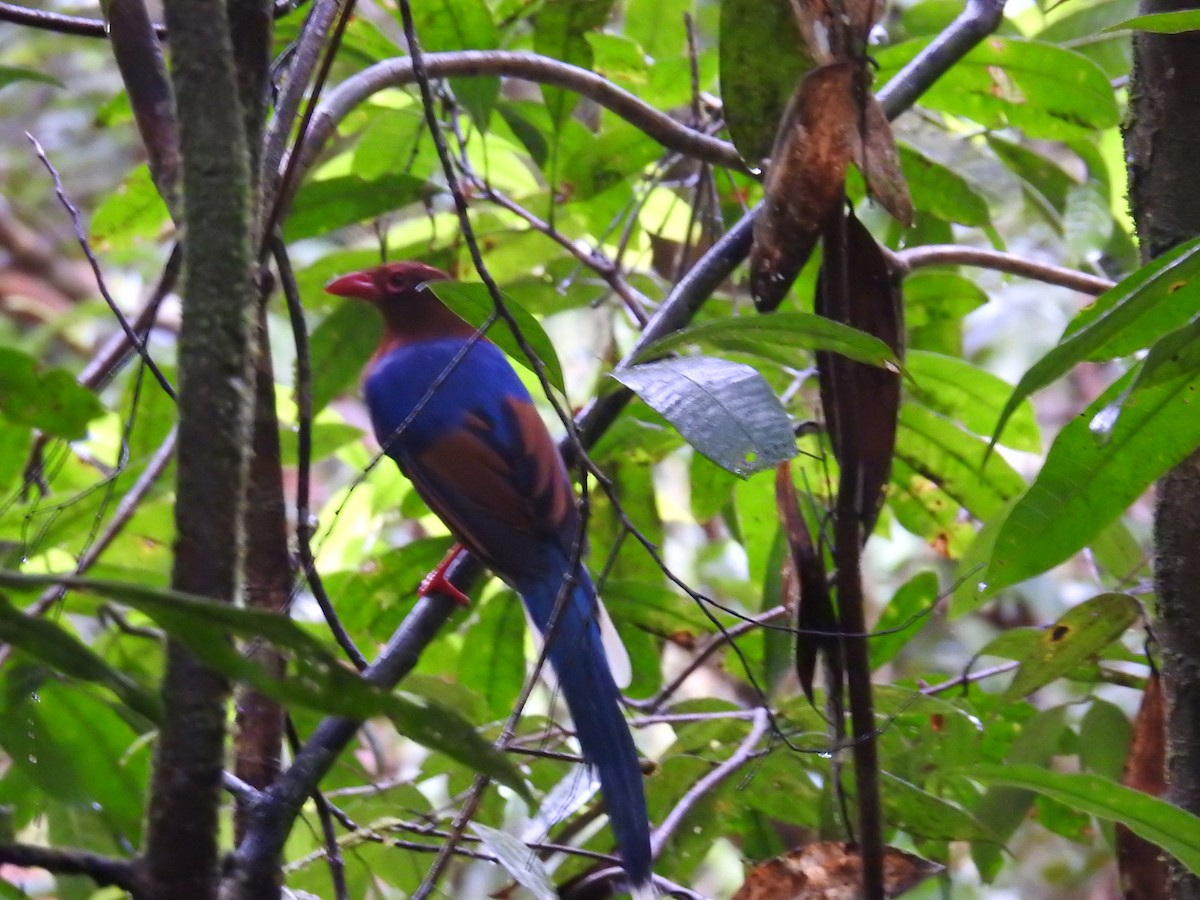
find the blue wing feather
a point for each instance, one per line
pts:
(463, 428)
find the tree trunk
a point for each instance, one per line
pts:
(1162, 144)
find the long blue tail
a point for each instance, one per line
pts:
(579, 661)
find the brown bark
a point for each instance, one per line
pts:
(1162, 144)
(214, 350)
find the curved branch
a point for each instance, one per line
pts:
(82, 26)
(105, 871)
(950, 255)
(391, 73)
(743, 754)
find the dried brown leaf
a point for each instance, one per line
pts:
(1142, 866)
(861, 402)
(814, 608)
(805, 182)
(831, 870)
(877, 158)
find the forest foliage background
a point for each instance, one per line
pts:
(1007, 580)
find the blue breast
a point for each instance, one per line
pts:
(447, 384)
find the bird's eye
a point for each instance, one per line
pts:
(397, 282)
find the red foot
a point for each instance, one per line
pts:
(437, 583)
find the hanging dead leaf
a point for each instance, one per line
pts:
(861, 402)
(806, 179)
(1142, 866)
(838, 31)
(876, 156)
(831, 870)
(814, 607)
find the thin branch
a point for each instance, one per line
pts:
(977, 20)
(116, 349)
(904, 261)
(81, 236)
(392, 73)
(280, 194)
(83, 26)
(124, 512)
(304, 415)
(714, 643)
(696, 792)
(635, 302)
(103, 870)
(287, 106)
(968, 678)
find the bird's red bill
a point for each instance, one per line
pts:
(356, 284)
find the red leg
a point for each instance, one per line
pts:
(437, 583)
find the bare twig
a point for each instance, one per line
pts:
(714, 643)
(304, 520)
(287, 106)
(81, 234)
(340, 101)
(742, 755)
(634, 301)
(905, 261)
(103, 870)
(86, 27)
(290, 176)
(979, 19)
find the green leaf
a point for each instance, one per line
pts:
(1123, 320)
(473, 303)
(935, 303)
(316, 678)
(327, 439)
(1083, 29)
(619, 153)
(133, 213)
(1164, 824)
(52, 401)
(787, 338)
(10, 74)
(339, 349)
(972, 396)
(558, 32)
(724, 409)
(76, 749)
(1175, 22)
(52, 645)
(1046, 91)
(763, 60)
(1045, 183)
(1085, 484)
(955, 460)
(1079, 635)
(493, 661)
(1003, 808)
(922, 814)
(519, 860)
(462, 25)
(332, 203)
(940, 191)
(910, 608)
(654, 608)
(1104, 737)
(617, 58)
(927, 511)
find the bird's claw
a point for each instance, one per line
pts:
(436, 581)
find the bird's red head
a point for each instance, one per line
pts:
(387, 283)
(409, 313)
